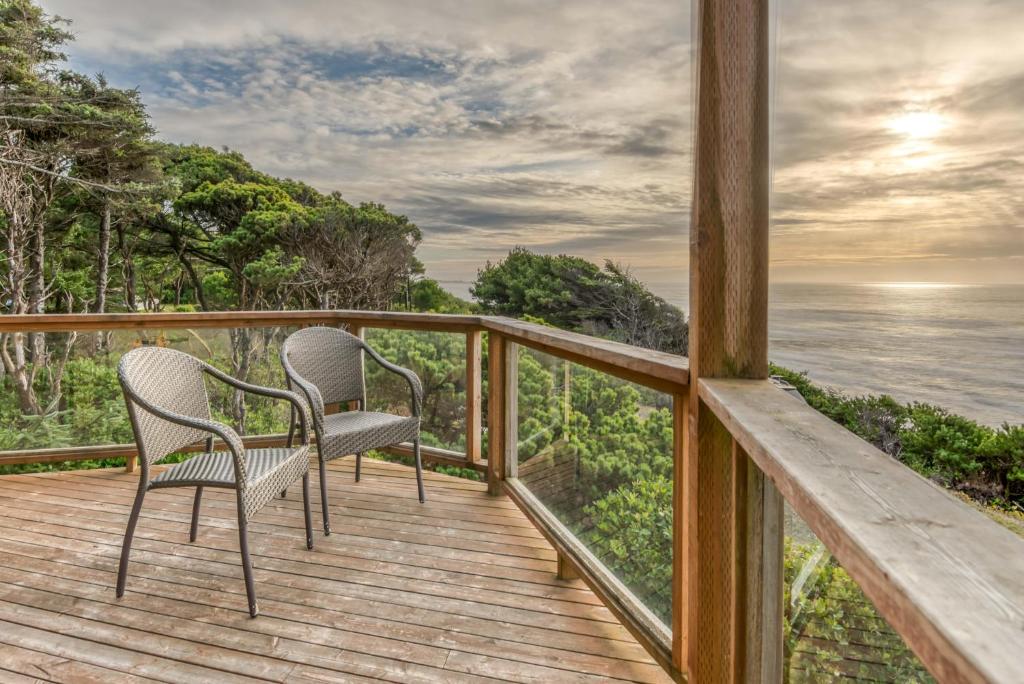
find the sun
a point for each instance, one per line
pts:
(917, 125)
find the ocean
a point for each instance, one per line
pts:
(958, 346)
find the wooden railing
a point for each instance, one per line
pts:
(948, 579)
(355, 321)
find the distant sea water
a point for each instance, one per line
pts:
(958, 346)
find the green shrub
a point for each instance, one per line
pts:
(631, 532)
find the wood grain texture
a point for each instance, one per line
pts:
(496, 395)
(661, 371)
(680, 442)
(392, 595)
(474, 396)
(946, 577)
(728, 325)
(236, 319)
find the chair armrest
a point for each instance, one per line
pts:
(415, 387)
(285, 395)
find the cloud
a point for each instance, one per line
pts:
(567, 126)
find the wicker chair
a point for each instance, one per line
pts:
(326, 364)
(169, 410)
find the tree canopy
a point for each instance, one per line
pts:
(572, 293)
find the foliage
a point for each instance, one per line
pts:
(631, 532)
(575, 294)
(427, 294)
(827, 617)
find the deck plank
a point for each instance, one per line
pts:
(460, 589)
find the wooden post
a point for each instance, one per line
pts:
(131, 463)
(725, 558)
(680, 434)
(496, 392)
(761, 540)
(566, 570)
(474, 395)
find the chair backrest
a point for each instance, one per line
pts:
(166, 379)
(331, 359)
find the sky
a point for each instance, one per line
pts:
(898, 135)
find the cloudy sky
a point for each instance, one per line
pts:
(565, 126)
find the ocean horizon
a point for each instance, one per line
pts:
(959, 346)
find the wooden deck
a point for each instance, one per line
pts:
(462, 588)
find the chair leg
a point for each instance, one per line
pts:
(359, 464)
(419, 470)
(129, 534)
(195, 515)
(284, 492)
(306, 511)
(323, 497)
(243, 546)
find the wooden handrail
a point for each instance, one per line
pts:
(667, 372)
(235, 319)
(658, 370)
(946, 577)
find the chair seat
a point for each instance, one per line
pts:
(353, 432)
(217, 469)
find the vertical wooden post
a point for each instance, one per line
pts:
(496, 381)
(761, 542)
(725, 558)
(680, 436)
(131, 463)
(566, 571)
(474, 395)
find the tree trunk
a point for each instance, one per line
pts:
(103, 270)
(103, 261)
(127, 270)
(37, 287)
(241, 353)
(197, 284)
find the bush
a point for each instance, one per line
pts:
(631, 533)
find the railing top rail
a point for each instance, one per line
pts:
(226, 319)
(660, 370)
(948, 579)
(666, 372)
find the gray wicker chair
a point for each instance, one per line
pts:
(169, 410)
(326, 364)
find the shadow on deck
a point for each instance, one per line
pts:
(461, 588)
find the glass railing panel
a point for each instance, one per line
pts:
(832, 630)
(439, 359)
(76, 399)
(597, 452)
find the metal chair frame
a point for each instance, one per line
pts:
(335, 360)
(160, 430)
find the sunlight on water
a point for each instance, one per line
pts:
(914, 285)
